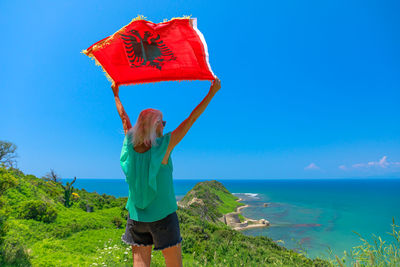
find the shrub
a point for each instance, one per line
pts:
(117, 221)
(38, 210)
(3, 226)
(62, 232)
(7, 180)
(85, 206)
(14, 251)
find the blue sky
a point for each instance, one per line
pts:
(310, 89)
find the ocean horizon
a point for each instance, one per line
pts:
(313, 215)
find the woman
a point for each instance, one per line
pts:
(146, 162)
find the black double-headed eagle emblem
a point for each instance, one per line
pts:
(148, 50)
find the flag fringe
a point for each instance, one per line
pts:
(91, 56)
(183, 17)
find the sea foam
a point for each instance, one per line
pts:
(253, 195)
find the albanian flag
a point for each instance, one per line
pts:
(143, 52)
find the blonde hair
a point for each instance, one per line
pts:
(144, 131)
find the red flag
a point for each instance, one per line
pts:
(143, 52)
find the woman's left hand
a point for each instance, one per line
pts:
(115, 89)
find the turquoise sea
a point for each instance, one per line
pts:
(312, 215)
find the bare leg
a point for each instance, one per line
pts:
(141, 256)
(173, 256)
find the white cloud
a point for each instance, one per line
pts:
(382, 163)
(359, 165)
(312, 166)
(343, 167)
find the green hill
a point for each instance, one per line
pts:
(37, 229)
(209, 200)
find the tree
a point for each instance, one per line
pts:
(68, 189)
(7, 153)
(52, 176)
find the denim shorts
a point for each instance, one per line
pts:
(163, 233)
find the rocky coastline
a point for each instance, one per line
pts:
(232, 219)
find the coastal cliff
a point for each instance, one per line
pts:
(213, 202)
(210, 200)
(38, 229)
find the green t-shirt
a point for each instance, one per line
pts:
(151, 190)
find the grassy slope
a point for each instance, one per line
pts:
(80, 238)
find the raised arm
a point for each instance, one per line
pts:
(183, 128)
(126, 123)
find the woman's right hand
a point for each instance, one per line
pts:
(216, 85)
